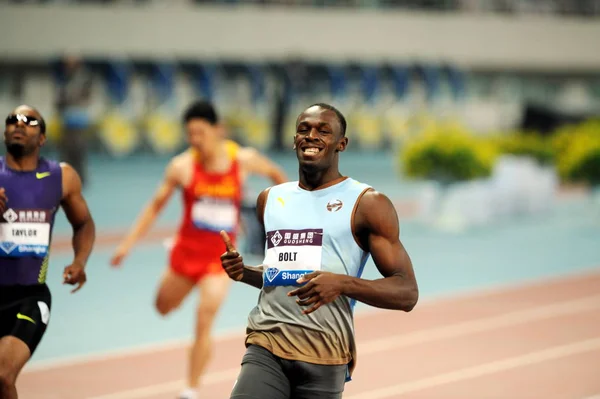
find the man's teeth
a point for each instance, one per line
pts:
(311, 150)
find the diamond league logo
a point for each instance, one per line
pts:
(271, 273)
(8, 246)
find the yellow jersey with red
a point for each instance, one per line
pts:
(211, 203)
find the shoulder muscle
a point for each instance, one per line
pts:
(71, 181)
(376, 215)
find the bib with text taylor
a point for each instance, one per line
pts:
(214, 214)
(291, 254)
(25, 232)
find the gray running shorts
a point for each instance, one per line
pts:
(266, 376)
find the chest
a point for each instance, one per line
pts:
(304, 211)
(223, 182)
(305, 232)
(214, 200)
(225, 187)
(40, 190)
(311, 230)
(32, 201)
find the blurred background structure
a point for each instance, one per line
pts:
(479, 118)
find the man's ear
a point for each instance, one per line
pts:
(342, 144)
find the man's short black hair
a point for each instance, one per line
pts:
(339, 115)
(201, 110)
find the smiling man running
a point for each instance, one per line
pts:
(320, 232)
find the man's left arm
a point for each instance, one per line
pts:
(378, 229)
(84, 229)
(256, 163)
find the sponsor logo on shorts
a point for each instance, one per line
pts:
(21, 316)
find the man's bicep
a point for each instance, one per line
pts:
(167, 185)
(73, 204)
(257, 163)
(173, 171)
(387, 251)
(76, 209)
(385, 246)
(390, 257)
(254, 162)
(164, 191)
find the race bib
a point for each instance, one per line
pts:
(291, 254)
(24, 233)
(214, 214)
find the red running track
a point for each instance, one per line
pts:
(540, 340)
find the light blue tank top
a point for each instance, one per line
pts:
(306, 231)
(311, 230)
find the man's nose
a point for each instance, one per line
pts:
(313, 134)
(20, 123)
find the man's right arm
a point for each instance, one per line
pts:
(149, 213)
(232, 261)
(253, 275)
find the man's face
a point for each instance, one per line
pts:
(202, 136)
(22, 134)
(318, 138)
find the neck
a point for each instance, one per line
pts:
(214, 159)
(24, 164)
(209, 159)
(316, 179)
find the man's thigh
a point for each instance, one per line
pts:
(315, 381)
(261, 377)
(27, 319)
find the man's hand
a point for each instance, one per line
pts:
(320, 289)
(118, 256)
(74, 274)
(3, 199)
(231, 260)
